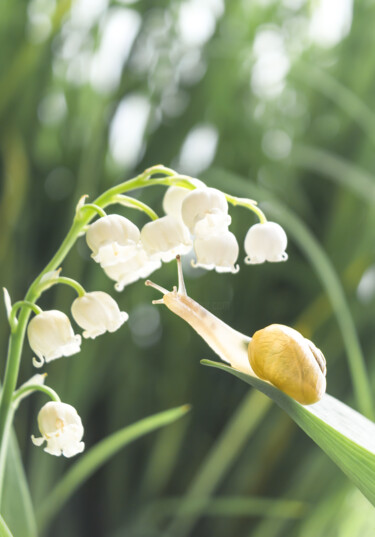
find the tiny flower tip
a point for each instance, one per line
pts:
(38, 362)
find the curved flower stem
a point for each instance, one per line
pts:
(249, 204)
(66, 281)
(94, 207)
(36, 387)
(16, 306)
(133, 203)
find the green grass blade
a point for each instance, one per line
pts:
(4, 530)
(219, 461)
(338, 169)
(234, 506)
(346, 436)
(99, 455)
(16, 506)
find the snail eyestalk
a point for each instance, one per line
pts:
(229, 345)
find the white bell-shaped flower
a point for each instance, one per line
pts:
(217, 252)
(61, 427)
(202, 202)
(212, 224)
(97, 313)
(265, 242)
(165, 238)
(51, 336)
(138, 265)
(175, 195)
(110, 239)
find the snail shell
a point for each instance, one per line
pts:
(292, 363)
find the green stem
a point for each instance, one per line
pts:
(66, 281)
(21, 304)
(94, 207)
(249, 204)
(132, 203)
(34, 387)
(82, 219)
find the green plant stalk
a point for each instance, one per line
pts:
(36, 387)
(81, 219)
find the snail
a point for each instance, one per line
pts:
(277, 354)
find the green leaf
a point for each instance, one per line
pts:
(346, 436)
(100, 454)
(4, 530)
(16, 506)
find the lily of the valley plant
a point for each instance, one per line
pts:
(196, 217)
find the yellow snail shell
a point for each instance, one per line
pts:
(292, 363)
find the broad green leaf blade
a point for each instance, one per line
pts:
(16, 507)
(346, 436)
(4, 530)
(100, 454)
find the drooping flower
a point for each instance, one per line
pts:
(51, 336)
(175, 195)
(61, 427)
(165, 238)
(202, 202)
(138, 265)
(110, 239)
(212, 224)
(217, 252)
(265, 242)
(97, 313)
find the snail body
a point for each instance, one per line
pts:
(277, 354)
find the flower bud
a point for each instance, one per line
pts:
(51, 336)
(201, 202)
(175, 195)
(110, 238)
(165, 238)
(217, 252)
(265, 242)
(138, 265)
(61, 427)
(97, 313)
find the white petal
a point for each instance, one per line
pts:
(51, 336)
(113, 228)
(265, 242)
(217, 252)
(165, 238)
(212, 224)
(37, 441)
(201, 202)
(175, 195)
(97, 313)
(139, 266)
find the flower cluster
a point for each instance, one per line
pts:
(195, 217)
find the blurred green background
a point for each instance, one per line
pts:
(265, 99)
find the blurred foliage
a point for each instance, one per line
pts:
(92, 92)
